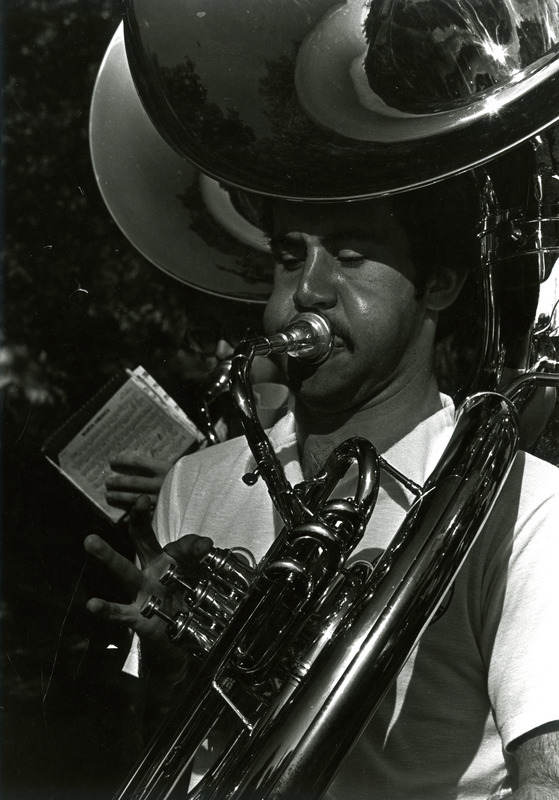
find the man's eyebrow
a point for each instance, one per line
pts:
(278, 239)
(360, 234)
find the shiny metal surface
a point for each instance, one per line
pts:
(160, 201)
(289, 585)
(302, 741)
(301, 649)
(308, 338)
(289, 503)
(322, 100)
(197, 230)
(217, 386)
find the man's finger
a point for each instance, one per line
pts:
(140, 484)
(135, 464)
(127, 499)
(189, 548)
(114, 612)
(120, 566)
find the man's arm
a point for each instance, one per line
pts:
(537, 762)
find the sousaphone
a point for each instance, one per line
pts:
(308, 100)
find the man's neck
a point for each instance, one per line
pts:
(383, 421)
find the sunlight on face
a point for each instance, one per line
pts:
(351, 262)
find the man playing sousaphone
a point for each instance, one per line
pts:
(387, 155)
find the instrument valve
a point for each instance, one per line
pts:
(175, 625)
(183, 628)
(230, 569)
(173, 576)
(212, 604)
(201, 596)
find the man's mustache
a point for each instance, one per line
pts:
(342, 331)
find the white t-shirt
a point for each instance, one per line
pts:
(483, 674)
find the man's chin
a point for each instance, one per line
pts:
(323, 401)
(319, 389)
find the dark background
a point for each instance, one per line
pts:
(79, 305)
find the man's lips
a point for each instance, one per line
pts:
(338, 343)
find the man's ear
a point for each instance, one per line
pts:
(443, 288)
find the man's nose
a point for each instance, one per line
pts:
(316, 285)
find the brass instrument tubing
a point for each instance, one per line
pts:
(308, 336)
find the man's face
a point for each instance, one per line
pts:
(351, 262)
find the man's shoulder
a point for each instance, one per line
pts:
(532, 487)
(535, 475)
(224, 455)
(522, 526)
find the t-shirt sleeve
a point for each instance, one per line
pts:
(520, 637)
(172, 503)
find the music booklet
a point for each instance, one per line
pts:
(131, 413)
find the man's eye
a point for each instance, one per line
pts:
(289, 260)
(350, 256)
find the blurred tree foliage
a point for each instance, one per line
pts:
(79, 304)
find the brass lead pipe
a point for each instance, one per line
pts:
(307, 337)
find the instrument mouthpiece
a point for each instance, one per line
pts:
(308, 337)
